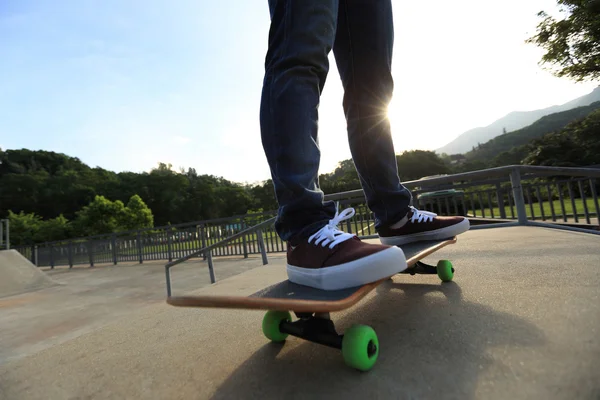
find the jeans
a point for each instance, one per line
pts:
(301, 36)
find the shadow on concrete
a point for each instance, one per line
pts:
(433, 343)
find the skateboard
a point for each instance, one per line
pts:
(359, 344)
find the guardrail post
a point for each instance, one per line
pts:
(168, 280)
(51, 251)
(203, 239)
(515, 181)
(91, 252)
(244, 239)
(211, 267)
(70, 254)
(170, 244)
(139, 246)
(500, 199)
(7, 222)
(595, 197)
(113, 240)
(261, 244)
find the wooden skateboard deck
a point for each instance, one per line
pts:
(288, 296)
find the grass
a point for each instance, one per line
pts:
(546, 206)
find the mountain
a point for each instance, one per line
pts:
(511, 145)
(511, 122)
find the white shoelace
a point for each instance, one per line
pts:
(422, 216)
(330, 234)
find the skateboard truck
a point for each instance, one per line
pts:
(444, 269)
(359, 344)
(317, 328)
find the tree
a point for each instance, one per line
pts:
(101, 216)
(264, 196)
(137, 215)
(23, 227)
(417, 164)
(572, 44)
(578, 144)
(29, 228)
(53, 229)
(166, 194)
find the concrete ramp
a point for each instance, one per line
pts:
(18, 275)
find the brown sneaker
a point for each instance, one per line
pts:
(332, 259)
(423, 225)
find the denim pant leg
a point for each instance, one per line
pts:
(363, 54)
(301, 37)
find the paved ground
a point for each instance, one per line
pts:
(89, 298)
(520, 321)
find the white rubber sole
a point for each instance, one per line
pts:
(355, 273)
(438, 234)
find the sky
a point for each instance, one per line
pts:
(124, 85)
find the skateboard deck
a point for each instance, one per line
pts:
(288, 296)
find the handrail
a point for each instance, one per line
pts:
(208, 249)
(483, 173)
(245, 232)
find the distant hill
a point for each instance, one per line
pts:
(512, 122)
(510, 143)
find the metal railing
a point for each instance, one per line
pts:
(4, 234)
(159, 243)
(513, 195)
(207, 251)
(552, 196)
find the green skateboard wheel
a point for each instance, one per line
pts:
(271, 322)
(360, 347)
(445, 270)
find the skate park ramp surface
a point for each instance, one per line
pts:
(521, 320)
(18, 275)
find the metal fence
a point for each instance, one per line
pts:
(4, 234)
(561, 196)
(565, 197)
(161, 243)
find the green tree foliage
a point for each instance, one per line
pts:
(104, 216)
(412, 165)
(576, 145)
(137, 215)
(23, 227)
(417, 164)
(30, 228)
(263, 196)
(53, 229)
(101, 216)
(342, 179)
(49, 184)
(572, 44)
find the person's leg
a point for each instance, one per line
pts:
(319, 254)
(296, 66)
(363, 53)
